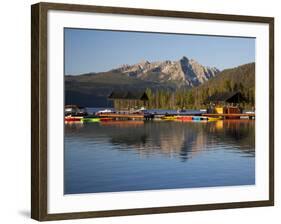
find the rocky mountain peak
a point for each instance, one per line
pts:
(144, 62)
(184, 72)
(184, 59)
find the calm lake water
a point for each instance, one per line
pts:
(149, 155)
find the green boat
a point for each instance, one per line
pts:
(90, 119)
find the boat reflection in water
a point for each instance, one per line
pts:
(147, 155)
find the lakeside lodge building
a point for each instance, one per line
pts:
(128, 100)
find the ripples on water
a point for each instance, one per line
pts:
(147, 155)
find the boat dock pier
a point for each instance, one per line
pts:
(125, 116)
(233, 116)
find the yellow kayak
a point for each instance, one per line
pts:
(214, 118)
(169, 118)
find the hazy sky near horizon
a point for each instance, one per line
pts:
(88, 50)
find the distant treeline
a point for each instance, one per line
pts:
(240, 79)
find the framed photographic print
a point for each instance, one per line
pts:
(138, 111)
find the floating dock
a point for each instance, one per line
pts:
(106, 117)
(117, 116)
(123, 116)
(232, 116)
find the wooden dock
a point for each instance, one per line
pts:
(119, 116)
(123, 116)
(231, 116)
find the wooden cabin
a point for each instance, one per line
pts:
(226, 103)
(128, 100)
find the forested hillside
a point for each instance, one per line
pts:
(241, 79)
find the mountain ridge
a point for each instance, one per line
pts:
(92, 89)
(184, 72)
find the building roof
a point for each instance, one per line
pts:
(128, 95)
(229, 97)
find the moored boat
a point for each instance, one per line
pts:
(105, 111)
(72, 118)
(168, 117)
(90, 119)
(106, 119)
(75, 110)
(199, 118)
(184, 118)
(213, 118)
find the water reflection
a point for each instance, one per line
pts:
(135, 155)
(183, 140)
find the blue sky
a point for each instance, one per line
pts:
(97, 50)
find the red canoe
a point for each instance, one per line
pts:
(184, 118)
(68, 119)
(106, 118)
